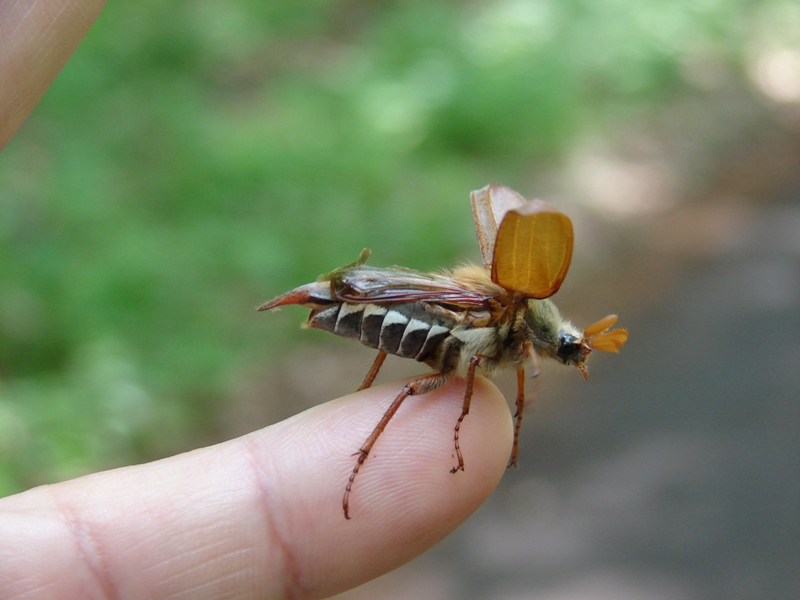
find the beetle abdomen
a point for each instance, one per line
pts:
(406, 329)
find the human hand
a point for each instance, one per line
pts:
(261, 516)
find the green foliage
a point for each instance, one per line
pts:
(194, 159)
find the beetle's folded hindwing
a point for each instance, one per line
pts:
(363, 283)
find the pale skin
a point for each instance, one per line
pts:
(259, 516)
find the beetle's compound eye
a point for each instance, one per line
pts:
(569, 348)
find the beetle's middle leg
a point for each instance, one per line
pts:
(476, 361)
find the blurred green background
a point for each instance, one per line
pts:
(195, 159)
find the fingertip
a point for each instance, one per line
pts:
(418, 445)
(406, 497)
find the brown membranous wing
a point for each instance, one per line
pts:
(362, 283)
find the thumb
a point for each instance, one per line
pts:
(38, 37)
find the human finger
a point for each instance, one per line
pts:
(37, 37)
(261, 515)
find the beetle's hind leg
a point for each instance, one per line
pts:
(417, 387)
(373, 371)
